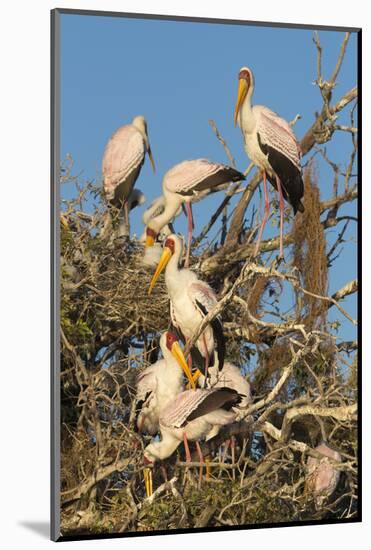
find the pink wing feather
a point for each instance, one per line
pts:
(189, 173)
(123, 154)
(277, 133)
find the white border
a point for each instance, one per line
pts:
(24, 220)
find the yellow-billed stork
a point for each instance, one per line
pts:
(272, 146)
(190, 416)
(123, 158)
(159, 383)
(190, 301)
(185, 183)
(152, 254)
(323, 477)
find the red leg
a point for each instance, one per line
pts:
(206, 355)
(186, 447)
(190, 230)
(266, 213)
(282, 208)
(233, 445)
(202, 461)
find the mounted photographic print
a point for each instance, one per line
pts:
(205, 280)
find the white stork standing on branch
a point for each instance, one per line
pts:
(190, 416)
(122, 161)
(190, 301)
(185, 183)
(272, 146)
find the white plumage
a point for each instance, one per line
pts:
(323, 477)
(272, 146)
(158, 384)
(122, 161)
(190, 298)
(185, 183)
(191, 416)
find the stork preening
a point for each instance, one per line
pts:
(185, 183)
(272, 146)
(190, 416)
(152, 254)
(190, 301)
(323, 477)
(122, 161)
(159, 383)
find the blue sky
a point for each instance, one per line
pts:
(180, 75)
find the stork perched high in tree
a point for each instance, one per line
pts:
(190, 301)
(185, 183)
(272, 146)
(122, 161)
(159, 383)
(190, 416)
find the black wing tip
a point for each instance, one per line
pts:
(235, 175)
(299, 207)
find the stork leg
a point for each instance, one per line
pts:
(148, 481)
(266, 213)
(190, 231)
(282, 208)
(206, 356)
(188, 456)
(124, 227)
(186, 447)
(202, 462)
(233, 456)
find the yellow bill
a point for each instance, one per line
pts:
(150, 241)
(164, 260)
(176, 350)
(195, 377)
(147, 472)
(241, 94)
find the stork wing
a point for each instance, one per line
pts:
(192, 404)
(146, 382)
(201, 176)
(203, 294)
(124, 153)
(275, 132)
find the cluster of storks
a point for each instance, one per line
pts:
(217, 394)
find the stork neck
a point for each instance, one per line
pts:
(172, 203)
(172, 268)
(246, 119)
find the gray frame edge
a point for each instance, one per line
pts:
(54, 282)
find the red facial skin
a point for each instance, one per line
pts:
(170, 340)
(151, 233)
(170, 244)
(246, 76)
(147, 461)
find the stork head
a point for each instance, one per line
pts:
(169, 342)
(151, 235)
(140, 123)
(172, 246)
(245, 83)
